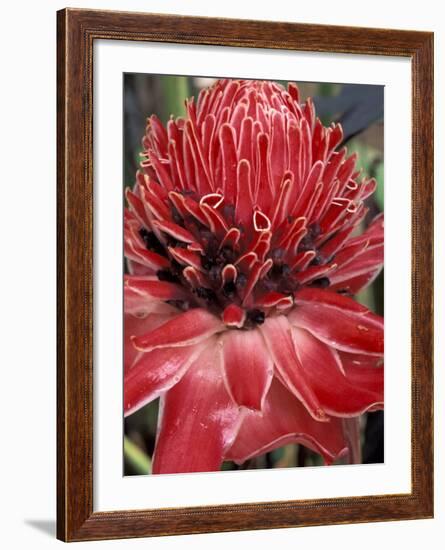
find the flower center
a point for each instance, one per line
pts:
(220, 267)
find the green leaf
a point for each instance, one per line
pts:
(379, 194)
(136, 457)
(175, 90)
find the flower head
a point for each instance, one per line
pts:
(243, 247)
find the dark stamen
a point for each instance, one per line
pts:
(207, 263)
(206, 294)
(227, 254)
(174, 243)
(229, 212)
(288, 286)
(317, 260)
(241, 280)
(151, 242)
(180, 304)
(306, 243)
(167, 275)
(215, 273)
(229, 289)
(277, 254)
(256, 316)
(279, 270)
(315, 230)
(177, 218)
(323, 282)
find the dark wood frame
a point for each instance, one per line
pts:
(76, 32)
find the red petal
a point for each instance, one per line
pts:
(244, 188)
(228, 274)
(253, 278)
(245, 144)
(260, 221)
(231, 238)
(274, 299)
(294, 92)
(365, 371)
(234, 316)
(308, 189)
(314, 272)
(285, 420)
(161, 290)
(277, 333)
(359, 269)
(187, 328)
(281, 206)
(136, 252)
(154, 206)
(161, 171)
(159, 133)
(325, 297)
(277, 150)
(155, 372)
(263, 195)
(336, 136)
(306, 149)
(198, 420)
(228, 150)
(339, 394)
(137, 207)
(345, 329)
(174, 230)
(140, 305)
(216, 222)
(366, 266)
(200, 164)
(248, 367)
(195, 278)
(133, 326)
(346, 170)
(186, 257)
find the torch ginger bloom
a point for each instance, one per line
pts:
(242, 248)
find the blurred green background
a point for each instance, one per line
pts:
(360, 110)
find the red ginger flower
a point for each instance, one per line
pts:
(239, 238)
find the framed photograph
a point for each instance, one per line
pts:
(245, 225)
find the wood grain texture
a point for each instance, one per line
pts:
(77, 30)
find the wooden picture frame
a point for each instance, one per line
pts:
(77, 30)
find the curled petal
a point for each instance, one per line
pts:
(360, 272)
(198, 419)
(137, 253)
(134, 326)
(140, 305)
(327, 298)
(234, 316)
(155, 372)
(186, 329)
(248, 367)
(155, 289)
(339, 394)
(175, 231)
(285, 420)
(365, 371)
(274, 299)
(353, 330)
(278, 337)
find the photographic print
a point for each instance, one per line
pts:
(253, 284)
(220, 275)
